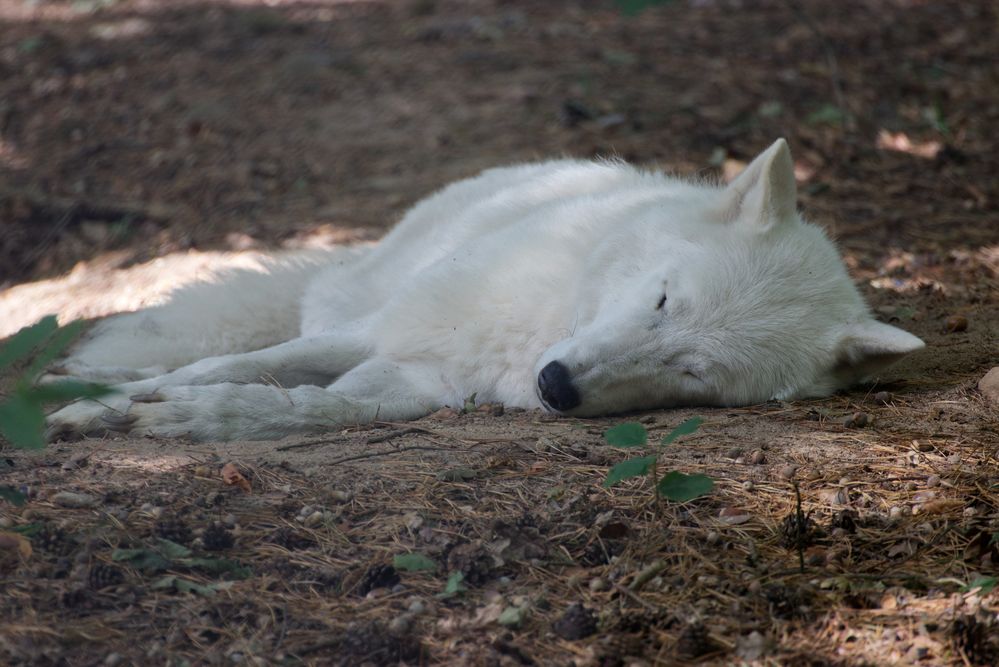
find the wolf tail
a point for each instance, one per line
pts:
(238, 311)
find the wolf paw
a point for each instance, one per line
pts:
(88, 418)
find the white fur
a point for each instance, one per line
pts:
(484, 284)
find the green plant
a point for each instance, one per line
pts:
(675, 486)
(22, 416)
(635, 7)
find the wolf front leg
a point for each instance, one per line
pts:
(377, 389)
(315, 360)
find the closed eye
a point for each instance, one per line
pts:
(661, 303)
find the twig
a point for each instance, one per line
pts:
(830, 56)
(393, 434)
(371, 455)
(646, 575)
(799, 528)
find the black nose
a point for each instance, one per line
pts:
(556, 387)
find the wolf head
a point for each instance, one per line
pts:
(732, 300)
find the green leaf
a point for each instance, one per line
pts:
(28, 529)
(66, 390)
(58, 342)
(986, 584)
(413, 562)
(631, 434)
(21, 344)
(181, 585)
(217, 566)
(635, 7)
(827, 114)
(454, 585)
(686, 428)
(628, 469)
(22, 422)
(142, 559)
(511, 617)
(680, 488)
(172, 550)
(469, 405)
(13, 496)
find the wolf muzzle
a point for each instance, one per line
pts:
(555, 387)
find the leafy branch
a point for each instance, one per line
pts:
(22, 415)
(675, 486)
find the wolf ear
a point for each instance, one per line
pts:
(870, 346)
(764, 194)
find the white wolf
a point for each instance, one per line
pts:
(584, 288)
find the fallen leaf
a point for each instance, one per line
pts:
(834, 496)
(12, 541)
(231, 476)
(901, 143)
(734, 516)
(941, 506)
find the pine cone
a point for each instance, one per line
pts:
(694, 642)
(378, 576)
(217, 538)
(576, 623)
(53, 540)
(103, 575)
(174, 530)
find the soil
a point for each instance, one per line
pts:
(145, 143)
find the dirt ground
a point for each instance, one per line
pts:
(145, 143)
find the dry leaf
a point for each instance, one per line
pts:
(11, 541)
(231, 476)
(901, 143)
(734, 516)
(941, 506)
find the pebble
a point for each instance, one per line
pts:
(417, 606)
(857, 420)
(413, 521)
(713, 537)
(156, 512)
(956, 324)
(896, 512)
(787, 472)
(73, 500)
(400, 624)
(748, 485)
(883, 397)
(989, 386)
(339, 496)
(78, 460)
(597, 584)
(113, 659)
(229, 520)
(933, 480)
(6, 522)
(314, 519)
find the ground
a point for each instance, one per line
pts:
(146, 143)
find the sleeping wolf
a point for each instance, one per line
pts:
(584, 288)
